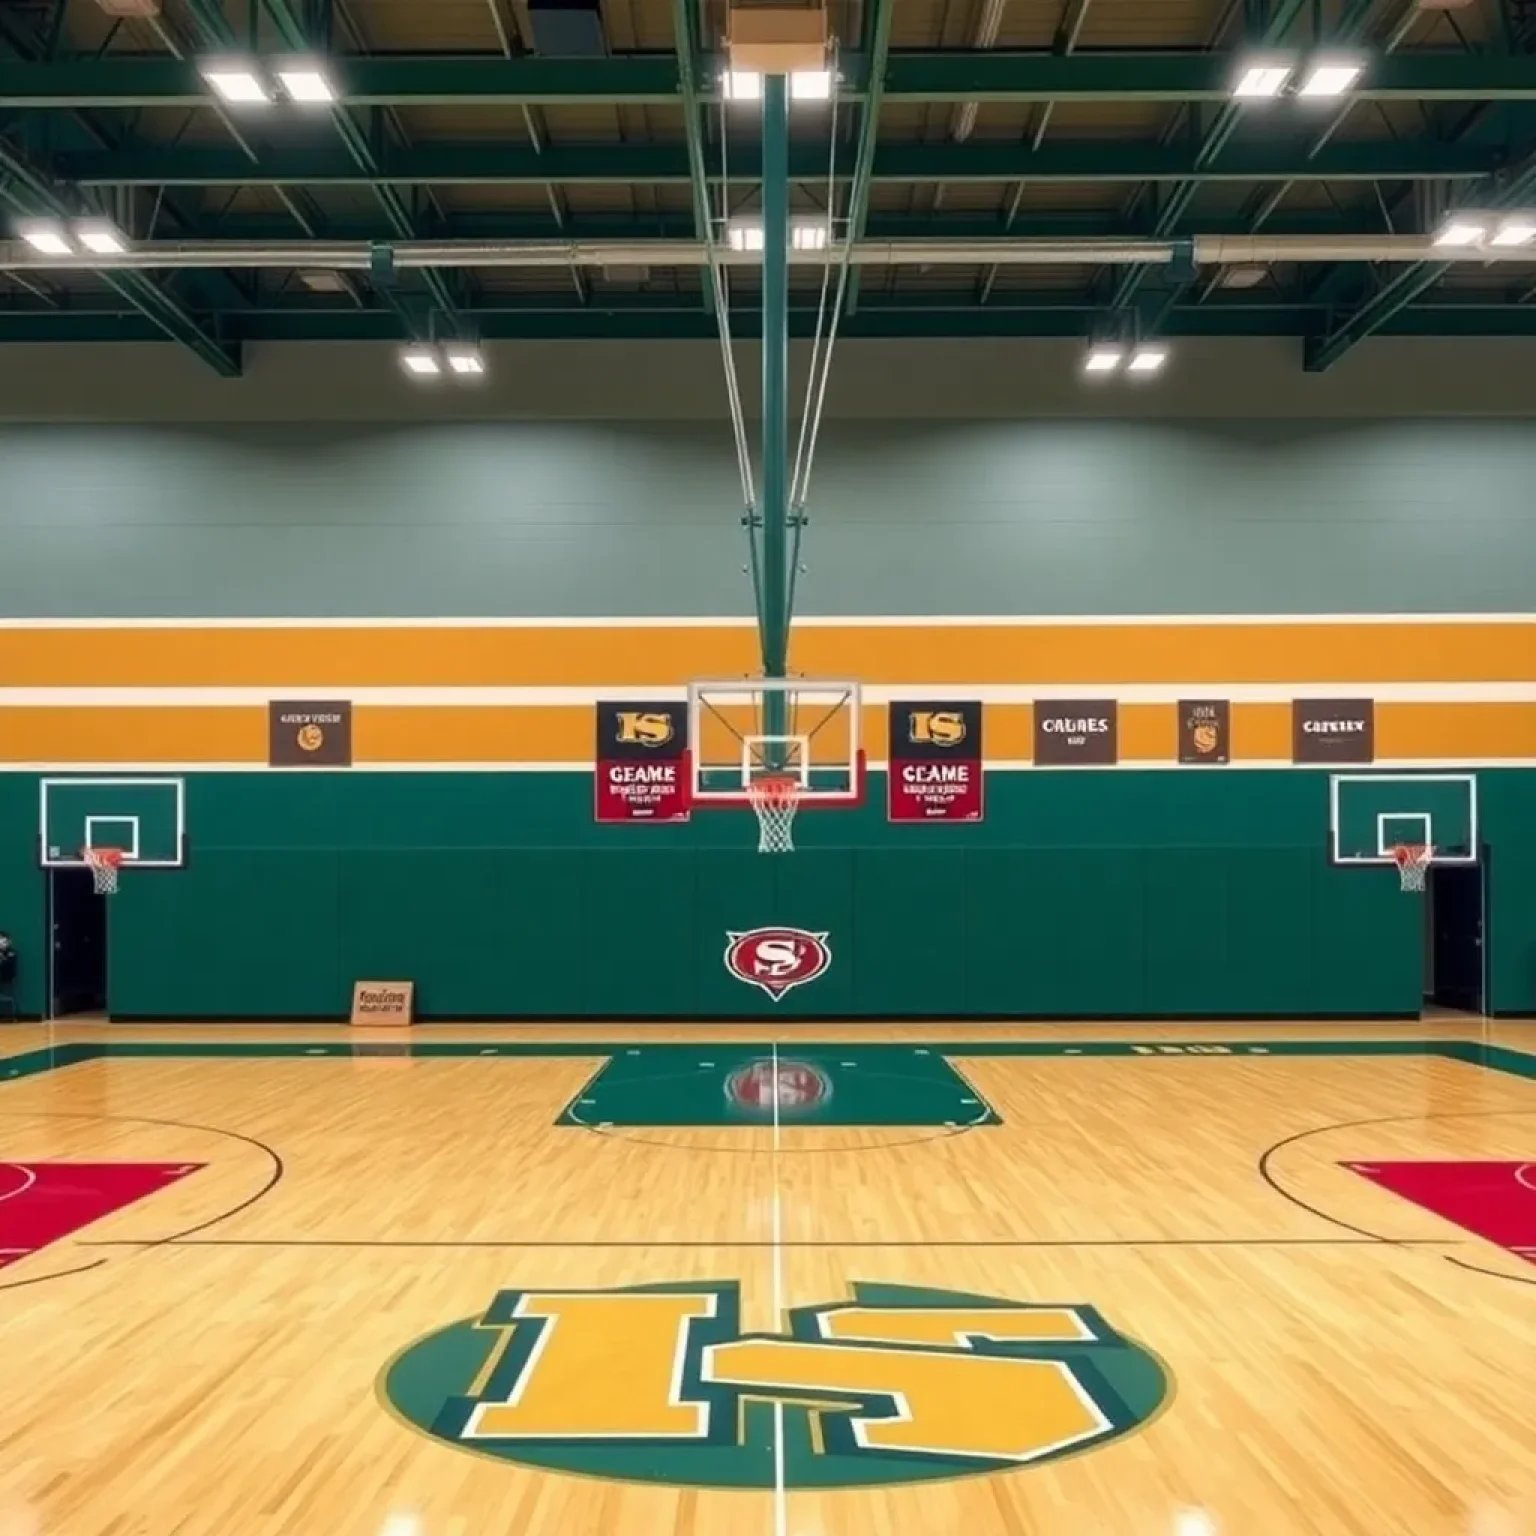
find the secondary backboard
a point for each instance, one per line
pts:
(145, 817)
(1371, 813)
(807, 729)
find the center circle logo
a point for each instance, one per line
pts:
(659, 1384)
(796, 1087)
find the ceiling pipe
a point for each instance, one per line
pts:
(359, 255)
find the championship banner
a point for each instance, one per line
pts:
(1333, 731)
(935, 769)
(1072, 732)
(1205, 731)
(642, 762)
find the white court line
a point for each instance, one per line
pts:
(29, 1177)
(1520, 1175)
(780, 1498)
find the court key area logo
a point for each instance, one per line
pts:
(779, 1084)
(659, 1384)
(777, 959)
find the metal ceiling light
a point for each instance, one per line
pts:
(1147, 359)
(101, 237)
(1104, 357)
(744, 234)
(742, 85)
(1328, 78)
(46, 236)
(421, 362)
(1515, 229)
(465, 360)
(306, 82)
(235, 81)
(1461, 231)
(1261, 79)
(810, 85)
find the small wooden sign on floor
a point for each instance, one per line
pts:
(383, 1002)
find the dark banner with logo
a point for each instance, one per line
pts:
(309, 733)
(1074, 732)
(1333, 731)
(642, 762)
(1205, 731)
(935, 770)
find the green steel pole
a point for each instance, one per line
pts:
(773, 620)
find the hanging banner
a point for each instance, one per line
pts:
(1205, 731)
(1070, 732)
(1333, 731)
(936, 763)
(642, 762)
(308, 733)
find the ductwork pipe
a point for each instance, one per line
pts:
(359, 256)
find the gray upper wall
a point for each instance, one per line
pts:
(599, 518)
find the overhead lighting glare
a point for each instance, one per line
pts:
(1518, 229)
(811, 85)
(742, 85)
(1329, 79)
(1147, 360)
(809, 235)
(1461, 231)
(46, 236)
(466, 361)
(100, 237)
(744, 234)
(421, 362)
(235, 82)
(307, 83)
(1261, 79)
(1105, 357)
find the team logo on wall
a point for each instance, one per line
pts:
(793, 1087)
(1205, 731)
(642, 762)
(777, 959)
(1333, 731)
(1071, 732)
(935, 771)
(303, 734)
(659, 1384)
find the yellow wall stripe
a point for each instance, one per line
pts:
(337, 658)
(1447, 733)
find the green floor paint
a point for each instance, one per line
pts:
(733, 1085)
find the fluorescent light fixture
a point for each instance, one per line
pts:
(306, 82)
(1104, 357)
(101, 237)
(1462, 230)
(235, 82)
(1261, 79)
(1147, 359)
(744, 234)
(742, 85)
(811, 85)
(1327, 79)
(1514, 230)
(47, 236)
(809, 234)
(466, 361)
(421, 362)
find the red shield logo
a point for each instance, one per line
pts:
(777, 959)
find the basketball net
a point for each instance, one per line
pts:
(104, 864)
(1413, 861)
(775, 797)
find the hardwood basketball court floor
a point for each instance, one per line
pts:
(682, 1281)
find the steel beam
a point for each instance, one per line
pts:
(878, 26)
(773, 563)
(685, 25)
(652, 79)
(476, 162)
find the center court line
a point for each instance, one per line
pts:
(780, 1499)
(750, 1242)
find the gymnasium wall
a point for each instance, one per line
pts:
(160, 585)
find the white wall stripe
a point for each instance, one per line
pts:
(873, 693)
(741, 621)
